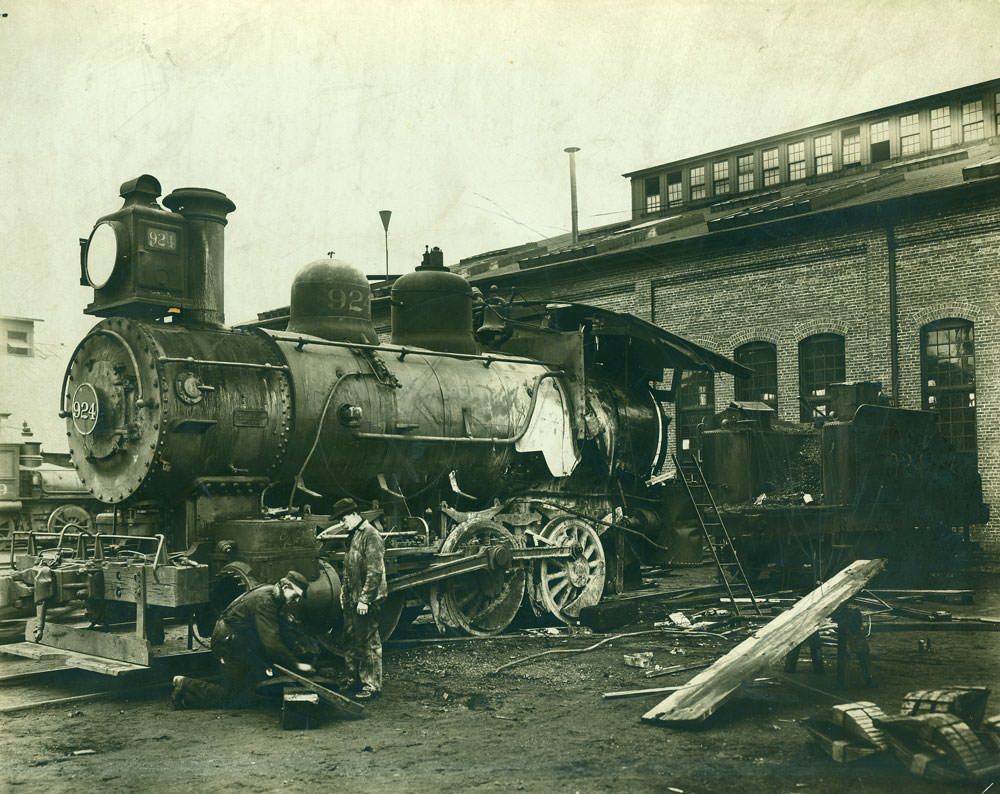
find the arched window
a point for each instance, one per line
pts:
(821, 362)
(948, 370)
(695, 403)
(762, 386)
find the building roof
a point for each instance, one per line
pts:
(855, 118)
(874, 184)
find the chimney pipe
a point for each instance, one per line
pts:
(206, 211)
(571, 151)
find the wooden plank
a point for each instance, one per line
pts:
(72, 659)
(638, 693)
(335, 699)
(708, 690)
(102, 644)
(32, 650)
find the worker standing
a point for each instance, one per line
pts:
(362, 591)
(247, 641)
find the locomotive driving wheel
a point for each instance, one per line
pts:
(568, 585)
(486, 601)
(70, 518)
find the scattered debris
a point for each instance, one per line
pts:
(707, 691)
(934, 736)
(679, 619)
(658, 671)
(640, 660)
(636, 693)
(86, 751)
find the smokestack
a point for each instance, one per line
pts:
(571, 151)
(206, 212)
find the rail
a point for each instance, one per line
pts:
(402, 351)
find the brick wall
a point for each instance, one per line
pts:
(724, 294)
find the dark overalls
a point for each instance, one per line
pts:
(246, 640)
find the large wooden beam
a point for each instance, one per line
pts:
(707, 691)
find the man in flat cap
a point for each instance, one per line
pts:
(362, 590)
(247, 641)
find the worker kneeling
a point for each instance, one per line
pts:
(247, 641)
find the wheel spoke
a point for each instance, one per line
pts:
(554, 591)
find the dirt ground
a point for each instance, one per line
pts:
(447, 723)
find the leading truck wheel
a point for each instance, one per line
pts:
(484, 602)
(568, 585)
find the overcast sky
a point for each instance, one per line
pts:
(313, 116)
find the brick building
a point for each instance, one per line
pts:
(865, 248)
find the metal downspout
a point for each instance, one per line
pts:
(890, 236)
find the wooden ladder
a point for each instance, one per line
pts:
(719, 543)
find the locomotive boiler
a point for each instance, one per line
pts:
(505, 452)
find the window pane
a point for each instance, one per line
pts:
(823, 150)
(973, 128)
(940, 127)
(762, 386)
(697, 177)
(821, 362)
(940, 117)
(878, 131)
(675, 194)
(796, 161)
(653, 194)
(941, 138)
(850, 148)
(948, 373)
(720, 177)
(695, 404)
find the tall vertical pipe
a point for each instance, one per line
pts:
(571, 151)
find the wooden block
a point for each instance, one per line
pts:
(858, 720)
(966, 702)
(610, 615)
(946, 736)
(299, 710)
(342, 704)
(836, 743)
(166, 585)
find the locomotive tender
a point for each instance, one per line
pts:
(510, 451)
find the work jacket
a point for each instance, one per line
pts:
(364, 566)
(255, 619)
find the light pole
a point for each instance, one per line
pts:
(385, 215)
(571, 151)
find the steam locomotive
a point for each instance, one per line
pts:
(512, 452)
